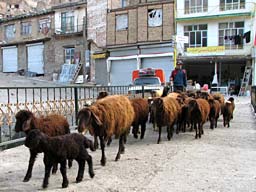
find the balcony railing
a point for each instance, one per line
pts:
(68, 29)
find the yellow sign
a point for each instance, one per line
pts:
(212, 50)
(99, 56)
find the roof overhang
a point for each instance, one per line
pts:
(214, 17)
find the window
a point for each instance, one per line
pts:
(9, 32)
(231, 4)
(44, 26)
(197, 35)
(26, 28)
(121, 22)
(231, 34)
(69, 55)
(155, 17)
(67, 22)
(196, 6)
(123, 3)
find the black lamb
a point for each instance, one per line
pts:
(52, 125)
(60, 148)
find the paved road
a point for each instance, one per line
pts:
(224, 160)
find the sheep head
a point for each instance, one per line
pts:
(23, 120)
(102, 94)
(192, 105)
(87, 120)
(33, 138)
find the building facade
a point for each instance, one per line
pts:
(40, 43)
(220, 39)
(23, 42)
(138, 35)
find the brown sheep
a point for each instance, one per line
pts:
(51, 125)
(228, 110)
(141, 109)
(112, 115)
(214, 112)
(198, 110)
(102, 94)
(165, 110)
(219, 97)
(60, 148)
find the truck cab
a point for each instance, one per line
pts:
(147, 80)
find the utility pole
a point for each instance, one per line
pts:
(85, 45)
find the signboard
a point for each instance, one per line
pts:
(203, 51)
(99, 56)
(181, 39)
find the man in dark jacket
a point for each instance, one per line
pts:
(179, 77)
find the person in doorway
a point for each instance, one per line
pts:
(179, 77)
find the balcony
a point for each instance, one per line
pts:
(69, 30)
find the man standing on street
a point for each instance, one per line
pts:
(179, 77)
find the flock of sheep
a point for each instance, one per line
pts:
(114, 116)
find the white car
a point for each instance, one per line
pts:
(146, 85)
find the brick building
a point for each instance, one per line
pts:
(139, 35)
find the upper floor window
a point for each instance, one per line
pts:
(26, 28)
(123, 3)
(231, 4)
(196, 6)
(155, 17)
(197, 35)
(67, 22)
(231, 34)
(69, 54)
(44, 26)
(121, 22)
(9, 32)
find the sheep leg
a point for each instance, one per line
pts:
(54, 168)
(121, 147)
(90, 165)
(135, 131)
(32, 159)
(48, 166)
(102, 146)
(109, 141)
(143, 129)
(200, 131)
(96, 144)
(80, 174)
(63, 171)
(195, 127)
(178, 125)
(69, 163)
(159, 134)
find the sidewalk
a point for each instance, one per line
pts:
(13, 79)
